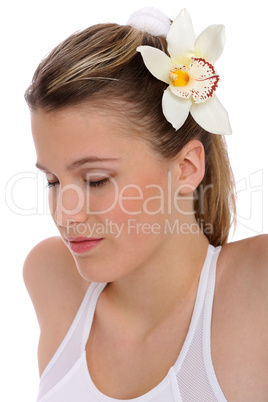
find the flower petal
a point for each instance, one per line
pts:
(210, 43)
(175, 109)
(203, 80)
(157, 62)
(181, 39)
(212, 116)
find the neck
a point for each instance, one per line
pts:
(163, 284)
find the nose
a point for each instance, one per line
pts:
(70, 205)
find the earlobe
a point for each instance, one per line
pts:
(191, 161)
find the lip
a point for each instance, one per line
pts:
(83, 244)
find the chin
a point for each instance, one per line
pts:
(93, 271)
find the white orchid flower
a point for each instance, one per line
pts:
(190, 73)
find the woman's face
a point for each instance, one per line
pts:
(109, 193)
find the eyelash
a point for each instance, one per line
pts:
(92, 184)
(99, 183)
(49, 185)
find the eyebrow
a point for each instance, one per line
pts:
(81, 162)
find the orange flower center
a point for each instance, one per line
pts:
(178, 77)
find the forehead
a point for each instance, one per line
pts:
(78, 120)
(72, 134)
(82, 126)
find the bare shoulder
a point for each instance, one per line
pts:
(240, 324)
(56, 290)
(250, 254)
(245, 263)
(51, 277)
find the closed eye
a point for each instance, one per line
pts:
(52, 184)
(94, 184)
(98, 183)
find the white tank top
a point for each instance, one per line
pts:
(192, 378)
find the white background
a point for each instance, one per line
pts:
(29, 30)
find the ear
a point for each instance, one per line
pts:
(190, 166)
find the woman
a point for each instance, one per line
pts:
(141, 298)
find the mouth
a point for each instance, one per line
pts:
(83, 244)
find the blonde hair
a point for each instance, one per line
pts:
(100, 65)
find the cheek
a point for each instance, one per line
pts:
(143, 202)
(149, 198)
(140, 209)
(102, 201)
(52, 201)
